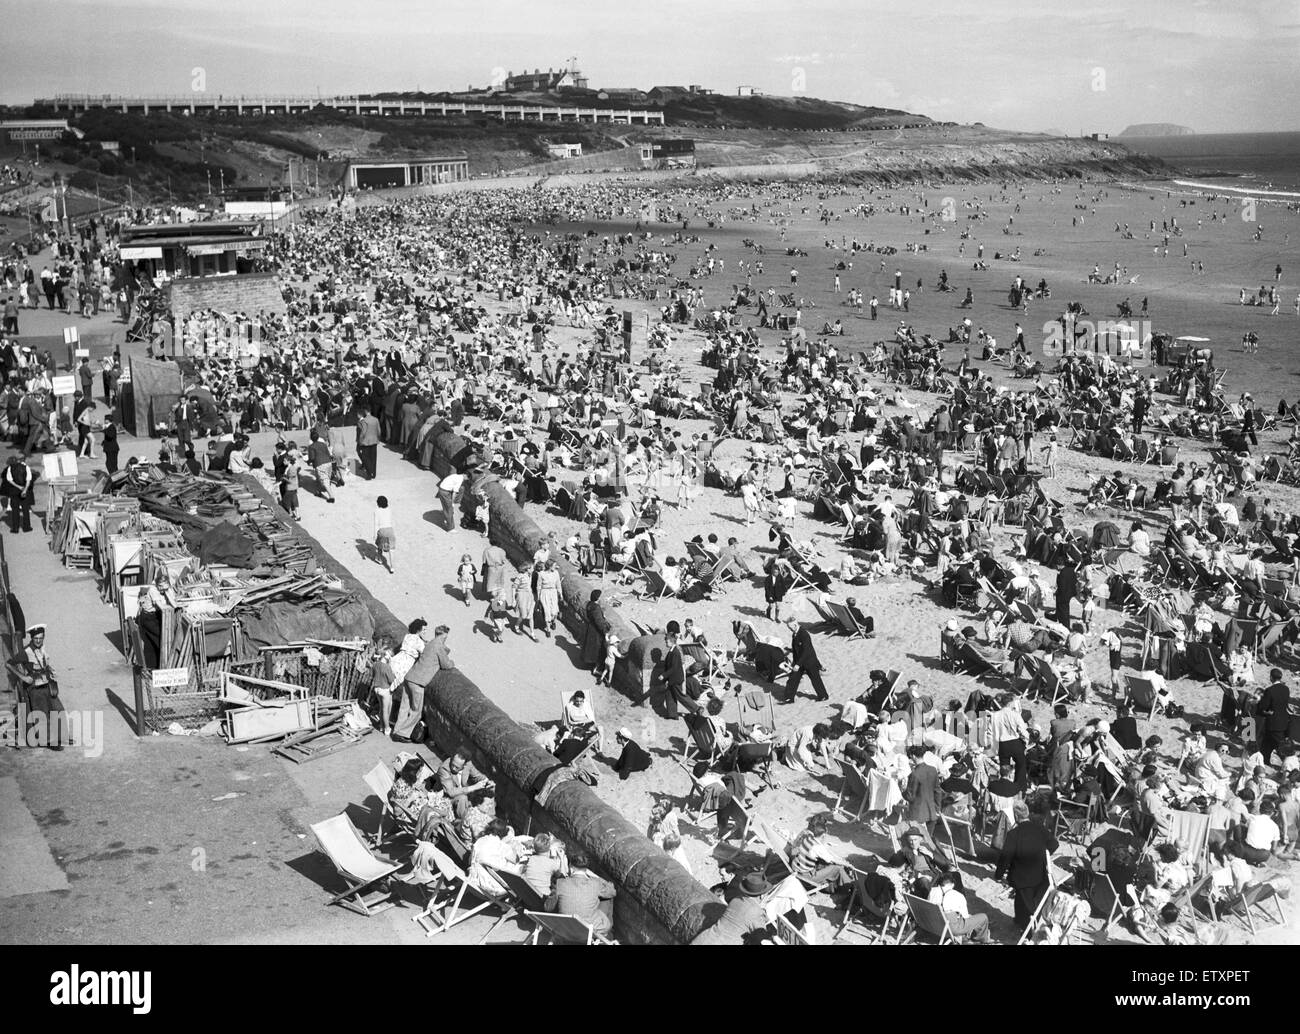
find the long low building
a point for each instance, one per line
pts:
(408, 172)
(197, 249)
(196, 103)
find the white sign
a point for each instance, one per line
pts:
(70, 336)
(60, 465)
(140, 253)
(81, 353)
(64, 385)
(124, 377)
(167, 678)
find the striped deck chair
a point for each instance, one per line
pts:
(1191, 830)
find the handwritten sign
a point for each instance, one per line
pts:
(65, 384)
(168, 678)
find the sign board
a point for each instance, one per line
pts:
(66, 384)
(59, 465)
(170, 678)
(140, 253)
(124, 374)
(70, 335)
(36, 134)
(81, 353)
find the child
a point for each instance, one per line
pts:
(289, 481)
(1115, 648)
(497, 612)
(465, 577)
(1089, 611)
(385, 537)
(482, 513)
(381, 680)
(612, 654)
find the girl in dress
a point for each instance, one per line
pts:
(465, 578)
(385, 536)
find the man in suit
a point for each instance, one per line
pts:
(186, 411)
(1273, 714)
(368, 443)
(674, 676)
(805, 662)
(1024, 860)
(924, 799)
(1139, 413)
(1067, 587)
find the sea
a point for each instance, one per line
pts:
(1261, 161)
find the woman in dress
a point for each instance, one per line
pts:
(409, 652)
(548, 594)
(525, 604)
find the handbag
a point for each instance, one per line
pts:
(418, 732)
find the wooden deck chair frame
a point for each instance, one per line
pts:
(522, 898)
(928, 918)
(1067, 813)
(1103, 897)
(1252, 897)
(342, 843)
(697, 787)
(868, 908)
(655, 586)
(847, 622)
(1036, 920)
(853, 783)
(447, 896)
(562, 928)
(952, 825)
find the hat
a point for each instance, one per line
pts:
(754, 885)
(914, 831)
(951, 626)
(34, 629)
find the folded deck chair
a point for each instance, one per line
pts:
(344, 846)
(563, 929)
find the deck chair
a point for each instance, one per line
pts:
(1141, 695)
(655, 586)
(1073, 820)
(522, 898)
(697, 787)
(565, 696)
(735, 820)
(701, 744)
(853, 785)
(1192, 830)
(380, 781)
(929, 918)
(787, 933)
(847, 622)
(447, 898)
(780, 849)
(961, 836)
(1049, 910)
(341, 842)
(562, 929)
(1104, 899)
(753, 705)
(861, 904)
(1253, 899)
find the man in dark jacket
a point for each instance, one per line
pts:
(1273, 714)
(805, 662)
(1024, 860)
(633, 757)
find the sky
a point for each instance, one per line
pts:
(1073, 67)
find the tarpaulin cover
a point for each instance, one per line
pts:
(223, 544)
(148, 378)
(331, 617)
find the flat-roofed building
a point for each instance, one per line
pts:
(407, 172)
